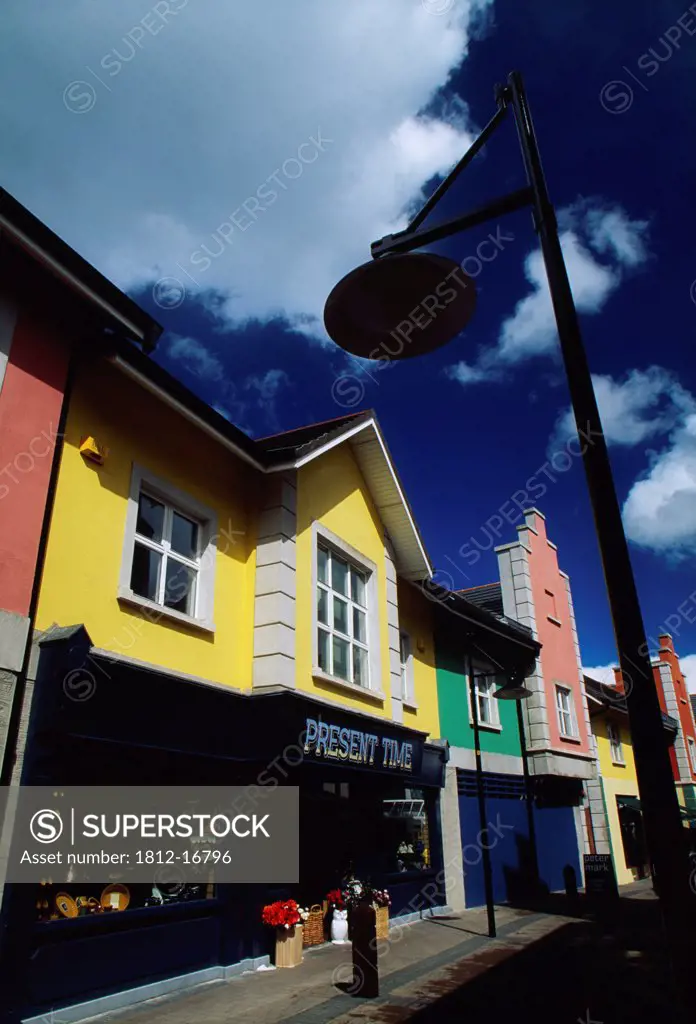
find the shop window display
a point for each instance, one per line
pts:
(407, 816)
(57, 901)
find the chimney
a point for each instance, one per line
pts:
(618, 679)
(666, 642)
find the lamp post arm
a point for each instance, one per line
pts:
(471, 152)
(405, 241)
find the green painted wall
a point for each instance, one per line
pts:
(452, 692)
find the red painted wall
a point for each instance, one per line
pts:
(30, 404)
(663, 707)
(558, 658)
(686, 718)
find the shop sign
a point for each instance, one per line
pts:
(340, 743)
(600, 880)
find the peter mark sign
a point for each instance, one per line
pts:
(600, 880)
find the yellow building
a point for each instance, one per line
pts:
(614, 797)
(253, 565)
(197, 561)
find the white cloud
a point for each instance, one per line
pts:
(267, 385)
(611, 232)
(158, 131)
(531, 329)
(195, 357)
(466, 373)
(602, 673)
(644, 404)
(660, 510)
(687, 663)
(605, 673)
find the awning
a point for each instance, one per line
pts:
(633, 804)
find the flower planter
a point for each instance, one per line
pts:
(288, 950)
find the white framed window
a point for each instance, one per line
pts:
(342, 638)
(346, 620)
(692, 754)
(408, 690)
(566, 711)
(485, 685)
(169, 552)
(615, 745)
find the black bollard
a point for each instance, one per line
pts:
(571, 883)
(364, 932)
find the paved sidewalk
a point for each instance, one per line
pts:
(419, 955)
(546, 968)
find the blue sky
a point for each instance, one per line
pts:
(227, 164)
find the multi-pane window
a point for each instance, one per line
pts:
(615, 745)
(692, 754)
(166, 555)
(342, 640)
(564, 706)
(486, 704)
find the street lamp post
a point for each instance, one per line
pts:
(513, 690)
(363, 314)
(480, 793)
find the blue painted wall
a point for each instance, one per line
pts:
(510, 849)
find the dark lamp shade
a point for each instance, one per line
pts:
(401, 306)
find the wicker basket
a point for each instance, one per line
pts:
(313, 930)
(382, 922)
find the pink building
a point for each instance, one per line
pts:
(560, 750)
(536, 592)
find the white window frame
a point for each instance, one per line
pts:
(615, 744)
(143, 481)
(486, 673)
(692, 753)
(408, 684)
(566, 691)
(326, 538)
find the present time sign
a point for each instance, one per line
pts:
(340, 743)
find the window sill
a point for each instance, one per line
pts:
(170, 614)
(570, 739)
(410, 705)
(488, 726)
(556, 622)
(618, 764)
(341, 684)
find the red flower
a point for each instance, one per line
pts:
(281, 914)
(335, 899)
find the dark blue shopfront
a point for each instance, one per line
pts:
(368, 804)
(508, 834)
